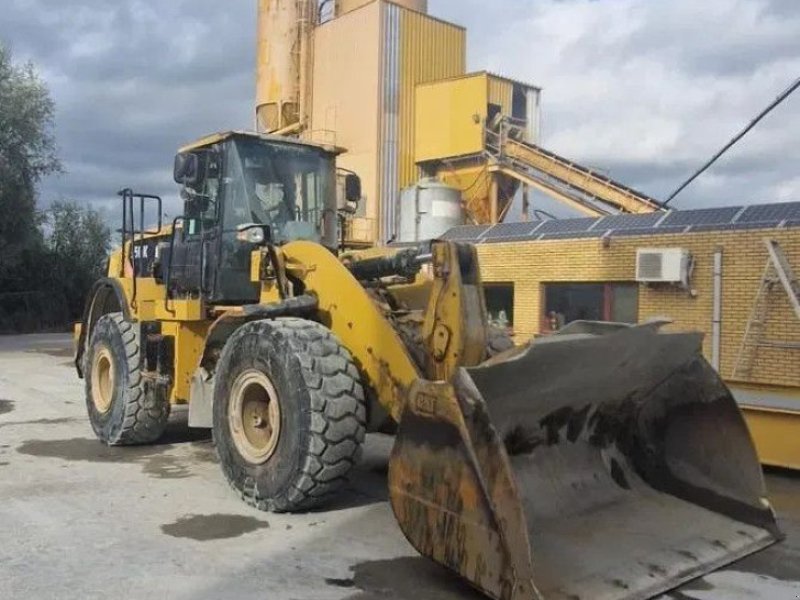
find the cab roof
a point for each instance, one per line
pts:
(215, 138)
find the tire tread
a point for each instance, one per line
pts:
(337, 419)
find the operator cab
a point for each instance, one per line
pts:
(241, 191)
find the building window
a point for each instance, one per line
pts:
(568, 302)
(500, 304)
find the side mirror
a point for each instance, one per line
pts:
(187, 169)
(352, 188)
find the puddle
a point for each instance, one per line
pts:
(6, 406)
(342, 583)
(203, 528)
(4, 464)
(166, 467)
(409, 578)
(153, 459)
(81, 449)
(733, 585)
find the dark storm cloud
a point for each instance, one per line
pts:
(132, 81)
(644, 90)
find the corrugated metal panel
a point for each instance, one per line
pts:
(417, 49)
(431, 50)
(501, 92)
(390, 98)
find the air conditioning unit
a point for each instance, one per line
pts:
(663, 265)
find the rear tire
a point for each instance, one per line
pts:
(123, 409)
(289, 457)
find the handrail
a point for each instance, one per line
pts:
(168, 275)
(128, 196)
(507, 146)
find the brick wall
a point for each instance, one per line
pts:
(530, 264)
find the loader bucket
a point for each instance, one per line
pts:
(581, 467)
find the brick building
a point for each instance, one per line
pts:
(541, 275)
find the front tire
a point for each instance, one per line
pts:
(123, 409)
(289, 414)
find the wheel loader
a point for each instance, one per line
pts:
(606, 462)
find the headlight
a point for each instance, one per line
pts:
(253, 234)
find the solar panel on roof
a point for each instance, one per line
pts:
(509, 239)
(703, 216)
(506, 230)
(575, 235)
(465, 233)
(629, 221)
(770, 212)
(762, 216)
(566, 225)
(755, 225)
(648, 231)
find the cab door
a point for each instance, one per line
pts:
(194, 256)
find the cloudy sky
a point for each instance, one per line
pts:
(644, 90)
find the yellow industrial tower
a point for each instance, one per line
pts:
(388, 82)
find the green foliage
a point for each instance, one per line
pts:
(27, 153)
(58, 272)
(48, 259)
(78, 244)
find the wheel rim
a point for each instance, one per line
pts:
(254, 416)
(103, 376)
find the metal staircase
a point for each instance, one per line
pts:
(777, 272)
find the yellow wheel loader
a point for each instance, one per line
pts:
(603, 463)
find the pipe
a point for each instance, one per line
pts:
(289, 129)
(304, 33)
(716, 324)
(405, 263)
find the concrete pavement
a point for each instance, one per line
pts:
(82, 521)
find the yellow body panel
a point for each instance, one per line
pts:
(355, 319)
(150, 304)
(776, 434)
(450, 118)
(190, 342)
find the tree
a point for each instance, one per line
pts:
(27, 153)
(78, 242)
(49, 259)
